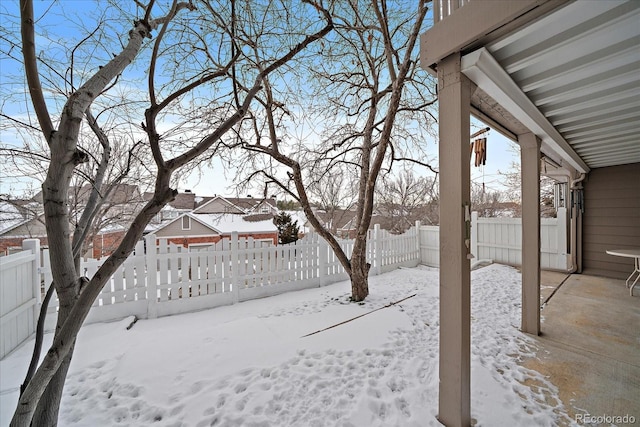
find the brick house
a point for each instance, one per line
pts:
(19, 220)
(24, 219)
(217, 217)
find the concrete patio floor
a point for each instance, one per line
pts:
(590, 345)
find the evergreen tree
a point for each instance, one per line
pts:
(287, 205)
(287, 228)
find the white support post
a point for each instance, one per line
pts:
(151, 260)
(33, 245)
(235, 276)
(454, 397)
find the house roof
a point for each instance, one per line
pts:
(241, 204)
(339, 218)
(10, 217)
(227, 223)
(182, 202)
(17, 212)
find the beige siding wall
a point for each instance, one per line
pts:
(611, 219)
(175, 229)
(218, 206)
(33, 228)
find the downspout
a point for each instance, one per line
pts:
(576, 225)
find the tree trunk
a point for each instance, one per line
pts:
(359, 270)
(46, 413)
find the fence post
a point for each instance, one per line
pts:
(235, 279)
(151, 260)
(561, 235)
(377, 250)
(474, 235)
(33, 245)
(323, 259)
(417, 228)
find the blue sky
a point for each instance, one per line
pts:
(500, 151)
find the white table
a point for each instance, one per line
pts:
(629, 253)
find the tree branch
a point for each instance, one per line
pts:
(31, 69)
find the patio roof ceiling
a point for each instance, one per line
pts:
(573, 78)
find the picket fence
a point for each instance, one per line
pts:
(500, 240)
(161, 279)
(20, 295)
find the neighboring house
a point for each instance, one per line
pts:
(199, 230)
(112, 222)
(340, 222)
(115, 215)
(560, 78)
(238, 206)
(19, 220)
(215, 218)
(183, 203)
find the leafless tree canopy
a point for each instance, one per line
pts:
(404, 198)
(348, 113)
(159, 86)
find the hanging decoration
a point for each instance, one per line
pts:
(480, 150)
(479, 147)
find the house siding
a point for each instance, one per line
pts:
(218, 206)
(175, 229)
(34, 228)
(7, 243)
(611, 219)
(105, 244)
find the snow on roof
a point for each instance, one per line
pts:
(10, 217)
(227, 223)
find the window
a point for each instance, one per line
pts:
(265, 210)
(198, 247)
(264, 243)
(186, 222)
(169, 214)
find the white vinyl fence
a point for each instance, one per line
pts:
(20, 295)
(161, 279)
(500, 240)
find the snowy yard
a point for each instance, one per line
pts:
(249, 364)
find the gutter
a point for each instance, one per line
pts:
(576, 227)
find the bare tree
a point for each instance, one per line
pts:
(513, 177)
(492, 203)
(405, 198)
(334, 195)
(193, 99)
(370, 102)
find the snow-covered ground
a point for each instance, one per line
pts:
(250, 364)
